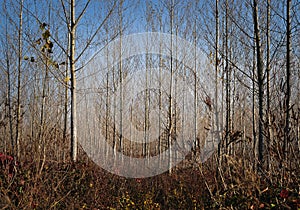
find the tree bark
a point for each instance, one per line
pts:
(260, 83)
(268, 83)
(227, 70)
(8, 94)
(217, 129)
(120, 13)
(254, 114)
(20, 55)
(73, 82)
(288, 75)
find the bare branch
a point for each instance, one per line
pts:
(96, 32)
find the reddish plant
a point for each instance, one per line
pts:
(8, 163)
(284, 193)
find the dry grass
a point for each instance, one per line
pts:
(86, 186)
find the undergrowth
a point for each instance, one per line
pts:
(84, 185)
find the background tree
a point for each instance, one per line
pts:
(72, 23)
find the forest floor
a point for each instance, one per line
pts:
(84, 185)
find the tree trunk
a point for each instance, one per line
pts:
(268, 84)
(288, 75)
(160, 122)
(216, 121)
(73, 82)
(196, 137)
(121, 78)
(170, 111)
(260, 84)
(255, 154)
(20, 55)
(227, 70)
(9, 97)
(66, 99)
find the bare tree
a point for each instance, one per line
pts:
(268, 82)
(20, 58)
(228, 72)
(260, 81)
(72, 48)
(288, 78)
(170, 105)
(72, 24)
(9, 87)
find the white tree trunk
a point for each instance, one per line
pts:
(73, 83)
